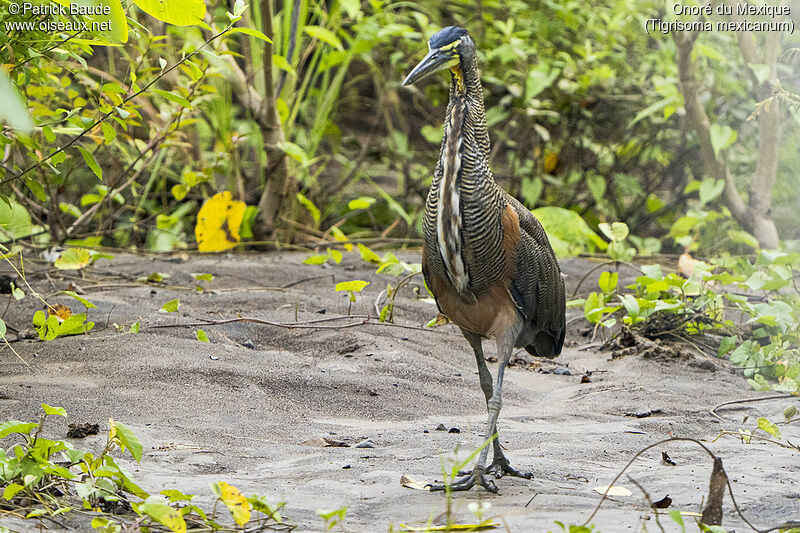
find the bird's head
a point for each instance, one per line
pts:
(449, 48)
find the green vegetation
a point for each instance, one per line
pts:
(50, 481)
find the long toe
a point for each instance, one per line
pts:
(502, 468)
(476, 477)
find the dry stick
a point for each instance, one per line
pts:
(365, 320)
(748, 400)
(786, 525)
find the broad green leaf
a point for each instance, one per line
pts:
(294, 151)
(710, 189)
(355, 285)
(336, 255)
(608, 281)
(15, 221)
(50, 410)
(15, 426)
(362, 202)
(73, 259)
(234, 500)
(90, 162)
(616, 231)
(540, 79)
(164, 515)
(368, 255)
(202, 336)
(11, 490)
(81, 299)
(176, 12)
(109, 133)
(172, 97)
(769, 427)
(568, 232)
(727, 344)
(352, 7)
(127, 438)
(134, 328)
(252, 33)
(171, 306)
(325, 35)
(722, 136)
(36, 188)
(13, 111)
(200, 276)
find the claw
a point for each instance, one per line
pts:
(502, 467)
(477, 476)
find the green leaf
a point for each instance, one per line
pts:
(129, 440)
(352, 7)
(325, 35)
(722, 136)
(368, 255)
(12, 490)
(362, 202)
(92, 164)
(742, 237)
(769, 427)
(36, 188)
(13, 111)
(199, 276)
(710, 189)
(15, 426)
(176, 12)
(336, 255)
(309, 205)
(172, 97)
(608, 281)
(109, 133)
(165, 515)
(73, 259)
(727, 344)
(317, 259)
(294, 151)
(790, 412)
(50, 410)
(84, 301)
(253, 33)
(171, 306)
(540, 79)
(631, 305)
(15, 221)
(616, 231)
(354, 286)
(134, 328)
(201, 336)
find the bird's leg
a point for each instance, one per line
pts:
(477, 475)
(500, 465)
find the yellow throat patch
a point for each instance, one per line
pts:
(459, 77)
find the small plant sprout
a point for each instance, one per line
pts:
(352, 287)
(334, 517)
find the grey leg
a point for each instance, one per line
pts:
(500, 465)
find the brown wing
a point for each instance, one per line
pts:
(538, 288)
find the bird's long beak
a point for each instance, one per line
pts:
(436, 60)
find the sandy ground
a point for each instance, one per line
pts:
(255, 417)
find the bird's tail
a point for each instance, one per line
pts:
(545, 345)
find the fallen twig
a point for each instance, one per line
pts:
(748, 400)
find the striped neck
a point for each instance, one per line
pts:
(464, 164)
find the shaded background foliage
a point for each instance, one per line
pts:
(585, 109)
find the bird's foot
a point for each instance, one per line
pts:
(501, 467)
(476, 477)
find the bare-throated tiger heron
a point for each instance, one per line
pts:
(486, 258)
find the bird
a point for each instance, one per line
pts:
(486, 258)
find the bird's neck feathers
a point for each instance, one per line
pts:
(466, 91)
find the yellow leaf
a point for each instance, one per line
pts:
(235, 501)
(218, 223)
(62, 312)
